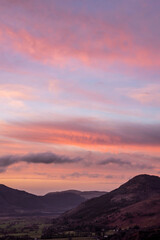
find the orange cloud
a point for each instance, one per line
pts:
(102, 136)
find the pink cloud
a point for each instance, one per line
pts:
(85, 133)
(15, 95)
(98, 42)
(148, 95)
(15, 91)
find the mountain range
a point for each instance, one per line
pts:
(14, 202)
(136, 202)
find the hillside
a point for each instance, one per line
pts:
(15, 202)
(135, 202)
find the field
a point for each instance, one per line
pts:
(31, 226)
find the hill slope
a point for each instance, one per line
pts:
(135, 202)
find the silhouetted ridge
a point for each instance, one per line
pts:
(148, 182)
(17, 202)
(144, 185)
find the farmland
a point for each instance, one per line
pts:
(32, 228)
(36, 228)
(26, 226)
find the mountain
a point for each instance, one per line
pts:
(15, 202)
(84, 194)
(136, 202)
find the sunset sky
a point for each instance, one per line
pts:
(79, 93)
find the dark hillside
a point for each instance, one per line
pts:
(135, 202)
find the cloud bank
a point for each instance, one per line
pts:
(36, 158)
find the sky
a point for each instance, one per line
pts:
(79, 93)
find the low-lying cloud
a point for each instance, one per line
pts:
(37, 158)
(125, 163)
(79, 175)
(122, 160)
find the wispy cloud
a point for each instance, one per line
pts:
(80, 175)
(114, 41)
(15, 96)
(146, 95)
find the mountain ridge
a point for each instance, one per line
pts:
(86, 194)
(19, 202)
